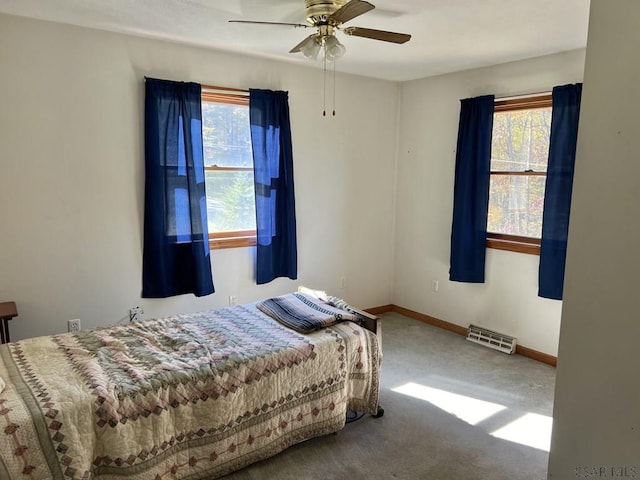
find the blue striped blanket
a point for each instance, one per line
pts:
(303, 313)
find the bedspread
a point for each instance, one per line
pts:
(189, 396)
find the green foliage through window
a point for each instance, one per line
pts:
(519, 154)
(228, 167)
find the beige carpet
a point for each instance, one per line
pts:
(453, 410)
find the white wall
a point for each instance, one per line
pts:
(71, 183)
(71, 176)
(508, 300)
(596, 415)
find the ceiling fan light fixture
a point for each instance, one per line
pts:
(333, 48)
(311, 49)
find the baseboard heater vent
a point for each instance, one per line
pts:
(491, 339)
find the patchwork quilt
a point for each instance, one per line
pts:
(189, 396)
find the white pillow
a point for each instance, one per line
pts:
(319, 294)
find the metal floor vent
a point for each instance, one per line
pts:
(491, 339)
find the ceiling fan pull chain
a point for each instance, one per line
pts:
(334, 86)
(324, 86)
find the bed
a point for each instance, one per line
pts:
(189, 396)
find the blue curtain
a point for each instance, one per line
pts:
(471, 190)
(559, 184)
(176, 258)
(273, 171)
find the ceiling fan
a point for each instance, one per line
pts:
(327, 16)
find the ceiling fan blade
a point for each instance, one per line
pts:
(303, 43)
(270, 23)
(392, 37)
(349, 11)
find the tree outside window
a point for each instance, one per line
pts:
(228, 163)
(519, 155)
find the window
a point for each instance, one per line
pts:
(519, 155)
(228, 164)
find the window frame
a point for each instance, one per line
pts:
(233, 238)
(502, 241)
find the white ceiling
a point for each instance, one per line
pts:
(447, 35)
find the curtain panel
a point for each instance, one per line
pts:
(176, 257)
(558, 189)
(276, 250)
(471, 190)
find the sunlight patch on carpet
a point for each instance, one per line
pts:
(469, 409)
(531, 429)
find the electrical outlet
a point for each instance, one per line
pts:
(343, 282)
(135, 313)
(435, 286)
(232, 300)
(73, 325)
